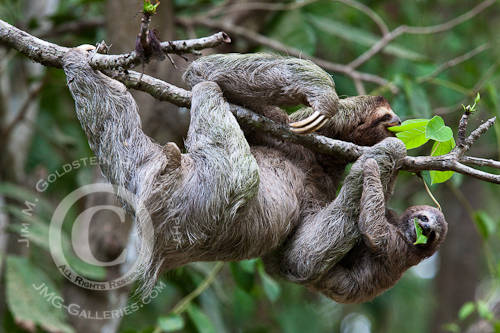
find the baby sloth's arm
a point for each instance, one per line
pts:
(373, 224)
(388, 248)
(256, 80)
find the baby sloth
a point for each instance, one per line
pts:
(225, 199)
(356, 248)
(387, 246)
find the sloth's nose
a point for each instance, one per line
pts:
(426, 229)
(395, 121)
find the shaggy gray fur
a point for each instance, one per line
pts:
(260, 80)
(250, 80)
(228, 200)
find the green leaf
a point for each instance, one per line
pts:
(170, 323)
(441, 148)
(436, 130)
(413, 138)
(248, 265)
(483, 311)
(485, 224)
(421, 238)
(31, 306)
(244, 304)
(271, 288)
(200, 320)
(409, 124)
(243, 279)
(472, 108)
(149, 8)
(477, 99)
(466, 310)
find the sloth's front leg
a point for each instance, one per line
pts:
(254, 80)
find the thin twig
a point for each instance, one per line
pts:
(402, 29)
(462, 129)
(131, 59)
(184, 303)
(429, 193)
(280, 47)
(369, 12)
(480, 162)
(451, 23)
(265, 6)
(477, 133)
(454, 62)
(35, 90)
(360, 88)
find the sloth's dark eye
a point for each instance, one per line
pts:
(423, 218)
(386, 117)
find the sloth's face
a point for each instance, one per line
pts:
(374, 127)
(432, 223)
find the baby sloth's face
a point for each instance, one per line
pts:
(432, 224)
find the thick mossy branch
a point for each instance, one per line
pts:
(50, 54)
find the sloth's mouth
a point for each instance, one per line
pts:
(427, 232)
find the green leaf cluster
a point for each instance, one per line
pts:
(416, 132)
(148, 8)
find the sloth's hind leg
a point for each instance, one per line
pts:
(225, 174)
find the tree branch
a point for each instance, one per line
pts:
(280, 47)
(344, 151)
(402, 29)
(454, 62)
(247, 6)
(51, 55)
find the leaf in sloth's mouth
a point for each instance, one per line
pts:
(421, 238)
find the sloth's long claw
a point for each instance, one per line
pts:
(321, 124)
(314, 126)
(307, 121)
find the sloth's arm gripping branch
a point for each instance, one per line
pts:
(254, 80)
(108, 115)
(372, 223)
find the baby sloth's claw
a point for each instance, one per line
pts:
(312, 123)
